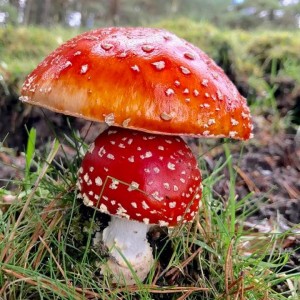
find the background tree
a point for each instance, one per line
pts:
(246, 14)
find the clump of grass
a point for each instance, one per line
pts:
(22, 48)
(46, 248)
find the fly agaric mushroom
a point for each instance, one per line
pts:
(139, 179)
(144, 79)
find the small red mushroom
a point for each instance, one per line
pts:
(148, 80)
(141, 178)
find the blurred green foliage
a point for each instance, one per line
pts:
(22, 48)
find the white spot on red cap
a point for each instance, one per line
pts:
(171, 166)
(87, 201)
(204, 82)
(219, 95)
(234, 122)
(205, 105)
(109, 119)
(131, 158)
(211, 122)
(189, 55)
(196, 93)
(77, 53)
(114, 184)
(175, 188)
(106, 46)
(67, 64)
(133, 186)
(133, 204)
(84, 69)
(122, 55)
(135, 68)
(172, 204)
(166, 116)
(177, 83)
(110, 132)
(91, 148)
(146, 220)
(159, 65)
(110, 156)
(232, 134)
(126, 122)
(121, 211)
(103, 208)
(101, 151)
(245, 115)
(169, 92)
(157, 197)
(156, 170)
(163, 223)
(86, 177)
(186, 91)
(166, 185)
(148, 154)
(147, 48)
(185, 70)
(145, 205)
(98, 181)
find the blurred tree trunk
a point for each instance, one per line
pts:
(60, 8)
(38, 10)
(46, 13)
(15, 3)
(114, 11)
(27, 12)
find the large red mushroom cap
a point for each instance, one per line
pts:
(138, 176)
(141, 78)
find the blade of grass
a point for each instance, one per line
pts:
(30, 152)
(55, 147)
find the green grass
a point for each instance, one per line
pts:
(46, 249)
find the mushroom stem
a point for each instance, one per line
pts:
(130, 253)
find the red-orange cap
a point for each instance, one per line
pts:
(140, 78)
(143, 177)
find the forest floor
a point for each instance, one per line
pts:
(268, 166)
